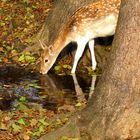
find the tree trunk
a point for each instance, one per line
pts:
(113, 111)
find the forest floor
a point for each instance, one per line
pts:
(20, 21)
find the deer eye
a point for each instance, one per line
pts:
(46, 60)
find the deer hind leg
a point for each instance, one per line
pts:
(80, 49)
(91, 47)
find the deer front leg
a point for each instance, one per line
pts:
(80, 49)
(91, 47)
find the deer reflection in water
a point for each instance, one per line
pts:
(54, 88)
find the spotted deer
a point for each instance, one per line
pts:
(98, 19)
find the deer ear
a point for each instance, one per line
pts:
(41, 44)
(50, 50)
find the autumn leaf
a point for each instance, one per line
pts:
(44, 122)
(33, 122)
(3, 126)
(35, 85)
(1, 49)
(67, 66)
(78, 104)
(25, 137)
(16, 128)
(39, 131)
(21, 121)
(22, 99)
(23, 107)
(21, 58)
(57, 68)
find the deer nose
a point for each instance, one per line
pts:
(43, 72)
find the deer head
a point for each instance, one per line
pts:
(47, 60)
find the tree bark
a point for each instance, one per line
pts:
(113, 111)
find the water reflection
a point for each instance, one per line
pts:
(54, 86)
(54, 90)
(80, 94)
(92, 87)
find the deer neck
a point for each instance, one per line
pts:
(60, 44)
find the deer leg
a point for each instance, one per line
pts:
(91, 47)
(80, 49)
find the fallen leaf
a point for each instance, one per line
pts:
(16, 128)
(78, 104)
(44, 122)
(21, 121)
(33, 122)
(3, 126)
(26, 137)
